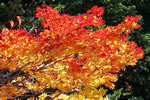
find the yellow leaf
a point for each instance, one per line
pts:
(42, 96)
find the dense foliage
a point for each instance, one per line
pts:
(66, 56)
(135, 80)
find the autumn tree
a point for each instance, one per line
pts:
(65, 59)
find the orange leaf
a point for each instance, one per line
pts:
(5, 30)
(18, 19)
(11, 23)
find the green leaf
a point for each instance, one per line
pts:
(116, 94)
